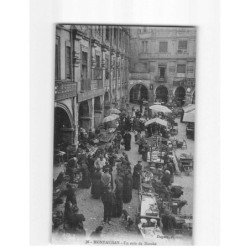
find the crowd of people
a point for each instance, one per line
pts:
(96, 171)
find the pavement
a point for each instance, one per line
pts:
(92, 209)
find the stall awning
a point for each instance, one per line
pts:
(189, 116)
(188, 108)
(158, 121)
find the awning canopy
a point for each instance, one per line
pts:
(160, 108)
(158, 121)
(189, 116)
(110, 118)
(189, 107)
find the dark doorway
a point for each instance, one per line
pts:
(161, 94)
(84, 115)
(180, 94)
(63, 131)
(137, 93)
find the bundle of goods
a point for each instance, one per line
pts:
(176, 191)
(186, 163)
(161, 190)
(57, 219)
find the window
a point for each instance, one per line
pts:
(115, 35)
(162, 72)
(181, 68)
(107, 33)
(84, 70)
(144, 29)
(163, 47)
(99, 29)
(57, 59)
(172, 69)
(68, 62)
(190, 69)
(144, 46)
(106, 67)
(97, 58)
(182, 45)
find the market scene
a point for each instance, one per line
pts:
(124, 135)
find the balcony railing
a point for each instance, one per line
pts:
(85, 85)
(65, 89)
(139, 76)
(184, 82)
(161, 79)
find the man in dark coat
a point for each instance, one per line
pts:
(108, 201)
(70, 194)
(127, 141)
(127, 187)
(166, 179)
(118, 205)
(137, 175)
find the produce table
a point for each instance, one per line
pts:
(155, 156)
(149, 207)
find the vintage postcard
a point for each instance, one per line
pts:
(124, 130)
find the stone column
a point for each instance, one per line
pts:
(92, 112)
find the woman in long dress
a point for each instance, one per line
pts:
(127, 141)
(127, 187)
(96, 184)
(86, 181)
(118, 204)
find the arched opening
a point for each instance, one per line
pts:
(193, 98)
(137, 93)
(106, 103)
(161, 94)
(180, 94)
(63, 131)
(84, 115)
(97, 111)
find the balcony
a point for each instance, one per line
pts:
(161, 79)
(157, 55)
(65, 89)
(85, 85)
(185, 82)
(139, 76)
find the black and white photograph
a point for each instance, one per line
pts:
(124, 134)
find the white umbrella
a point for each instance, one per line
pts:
(110, 118)
(160, 108)
(157, 120)
(115, 111)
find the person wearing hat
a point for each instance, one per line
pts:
(137, 175)
(127, 186)
(166, 178)
(97, 233)
(108, 201)
(96, 184)
(100, 162)
(118, 204)
(106, 178)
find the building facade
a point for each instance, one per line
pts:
(163, 64)
(91, 76)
